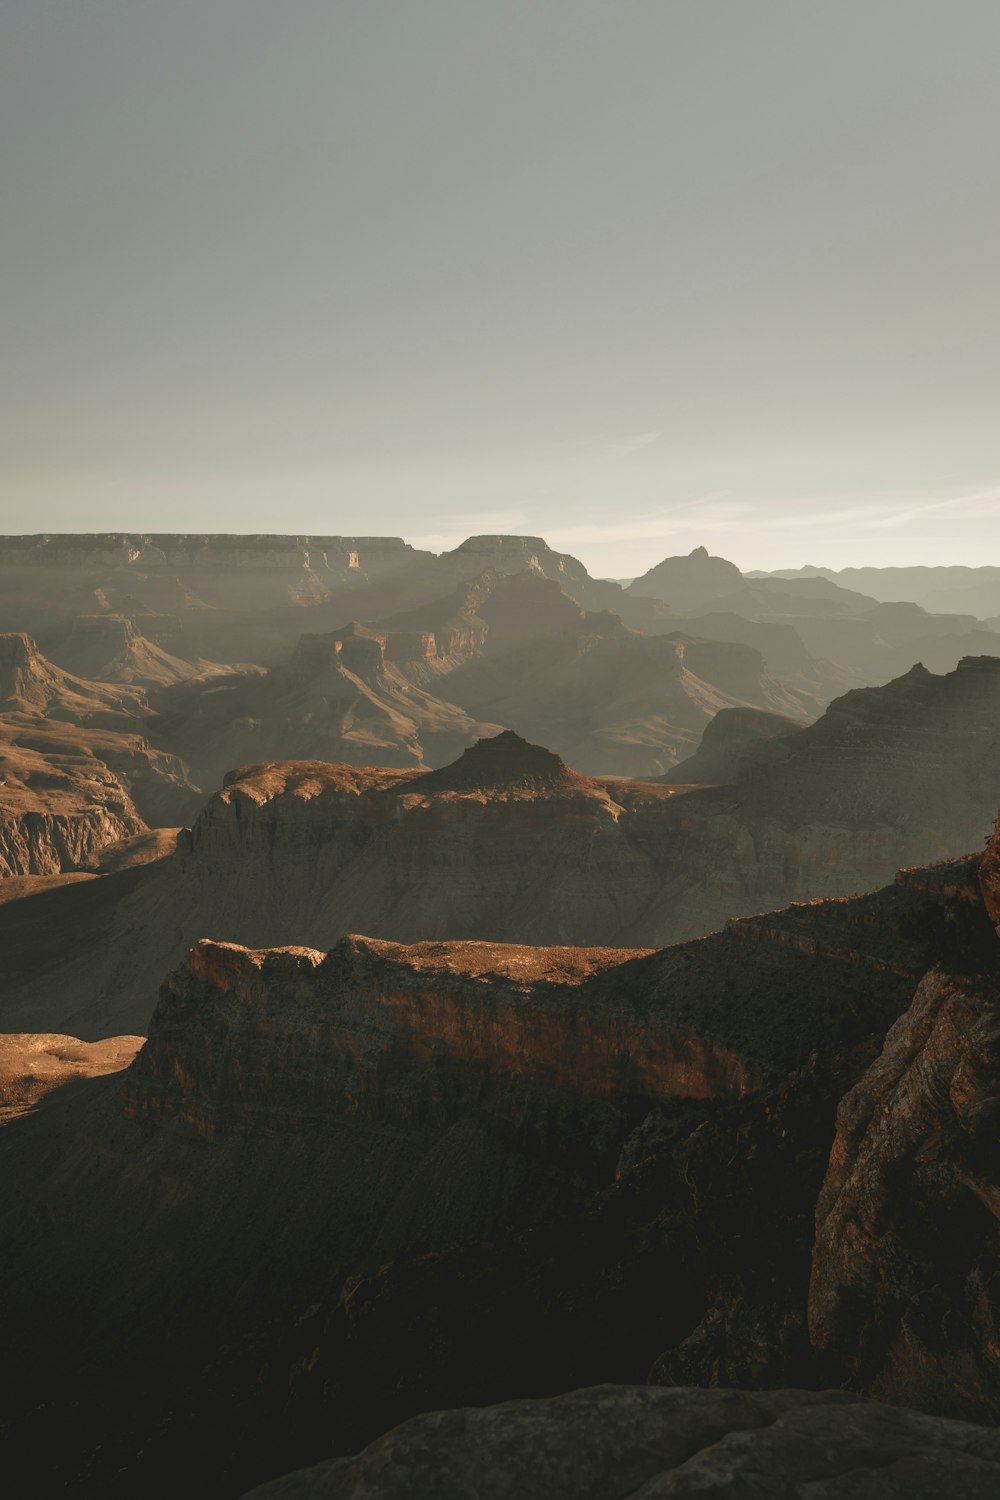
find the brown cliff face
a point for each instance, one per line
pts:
(113, 648)
(66, 792)
(342, 697)
(904, 1282)
(506, 845)
(411, 1037)
(74, 774)
(345, 1186)
(31, 685)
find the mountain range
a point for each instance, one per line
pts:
(435, 982)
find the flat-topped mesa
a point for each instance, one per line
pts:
(504, 552)
(111, 630)
(305, 780)
(417, 1037)
(355, 649)
(142, 550)
(335, 807)
(516, 554)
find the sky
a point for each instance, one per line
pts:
(637, 276)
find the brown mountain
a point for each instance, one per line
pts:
(725, 753)
(74, 773)
(341, 697)
(614, 701)
(688, 584)
(303, 853)
(112, 648)
(32, 685)
(503, 650)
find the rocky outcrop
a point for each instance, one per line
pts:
(613, 701)
(612, 1441)
(73, 773)
(35, 842)
(112, 648)
(689, 584)
(341, 698)
(414, 1038)
(31, 684)
(507, 844)
(347, 1186)
(66, 792)
(518, 554)
(903, 1289)
(724, 752)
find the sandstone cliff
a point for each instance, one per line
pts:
(304, 852)
(908, 1223)
(345, 1186)
(112, 648)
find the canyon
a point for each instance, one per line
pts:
(472, 1110)
(509, 844)
(431, 981)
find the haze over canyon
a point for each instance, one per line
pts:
(435, 980)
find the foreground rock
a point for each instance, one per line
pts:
(612, 1441)
(903, 1289)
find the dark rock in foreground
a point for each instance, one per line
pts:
(643, 1442)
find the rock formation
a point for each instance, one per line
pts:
(908, 1223)
(74, 773)
(610, 1441)
(473, 1112)
(349, 1186)
(942, 588)
(724, 754)
(615, 702)
(30, 684)
(302, 853)
(341, 698)
(689, 584)
(112, 648)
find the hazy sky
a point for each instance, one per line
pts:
(636, 275)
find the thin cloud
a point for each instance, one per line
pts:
(618, 452)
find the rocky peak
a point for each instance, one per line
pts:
(729, 744)
(503, 762)
(689, 583)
